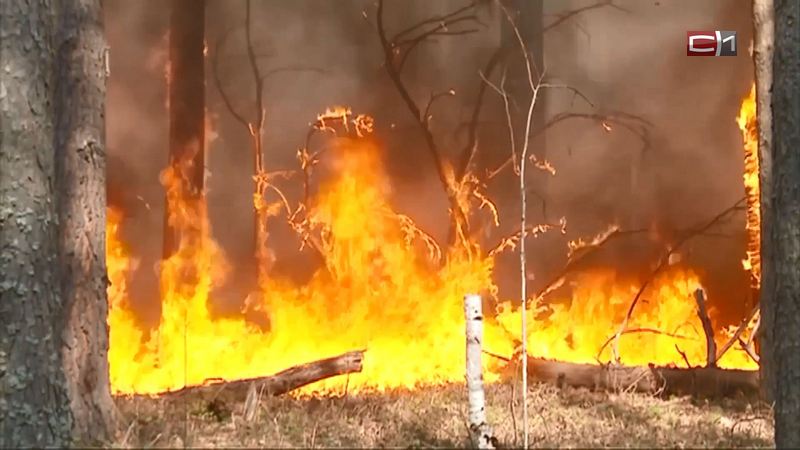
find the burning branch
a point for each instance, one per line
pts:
(284, 381)
(738, 333)
(511, 242)
(396, 51)
(262, 180)
(664, 260)
(330, 122)
(708, 330)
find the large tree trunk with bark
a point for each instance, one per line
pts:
(763, 35)
(186, 103)
(782, 294)
(80, 184)
(34, 406)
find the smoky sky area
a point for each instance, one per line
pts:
(679, 164)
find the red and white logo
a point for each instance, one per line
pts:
(711, 43)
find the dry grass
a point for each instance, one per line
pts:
(435, 417)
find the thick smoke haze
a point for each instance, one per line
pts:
(628, 59)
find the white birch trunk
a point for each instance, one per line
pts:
(481, 433)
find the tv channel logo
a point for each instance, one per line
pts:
(711, 43)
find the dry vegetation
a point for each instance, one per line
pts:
(436, 417)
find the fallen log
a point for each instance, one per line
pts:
(279, 383)
(695, 381)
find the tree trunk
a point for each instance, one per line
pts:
(34, 407)
(783, 292)
(186, 103)
(80, 184)
(282, 382)
(709, 382)
(763, 35)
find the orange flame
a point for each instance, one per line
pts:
(380, 290)
(748, 123)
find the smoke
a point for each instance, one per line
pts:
(629, 59)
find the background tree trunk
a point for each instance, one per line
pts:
(783, 292)
(763, 36)
(187, 106)
(80, 185)
(34, 407)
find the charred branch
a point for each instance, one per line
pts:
(576, 12)
(738, 333)
(396, 50)
(708, 330)
(664, 260)
(282, 382)
(699, 381)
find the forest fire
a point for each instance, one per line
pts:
(749, 126)
(378, 292)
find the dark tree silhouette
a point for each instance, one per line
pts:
(186, 103)
(781, 292)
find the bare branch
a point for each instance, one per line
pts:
(509, 124)
(641, 330)
(636, 125)
(434, 97)
(571, 14)
(217, 81)
(683, 355)
(471, 147)
(437, 19)
(251, 56)
(389, 47)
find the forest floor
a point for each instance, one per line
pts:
(436, 417)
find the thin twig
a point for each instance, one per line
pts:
(217, 81)
(637, 331)
(683, 355)
(634, 124)
(570, 14)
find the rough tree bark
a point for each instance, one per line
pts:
(80, 184)
(763, 35)
(783, 291)
(34, 407)
(186, 102)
